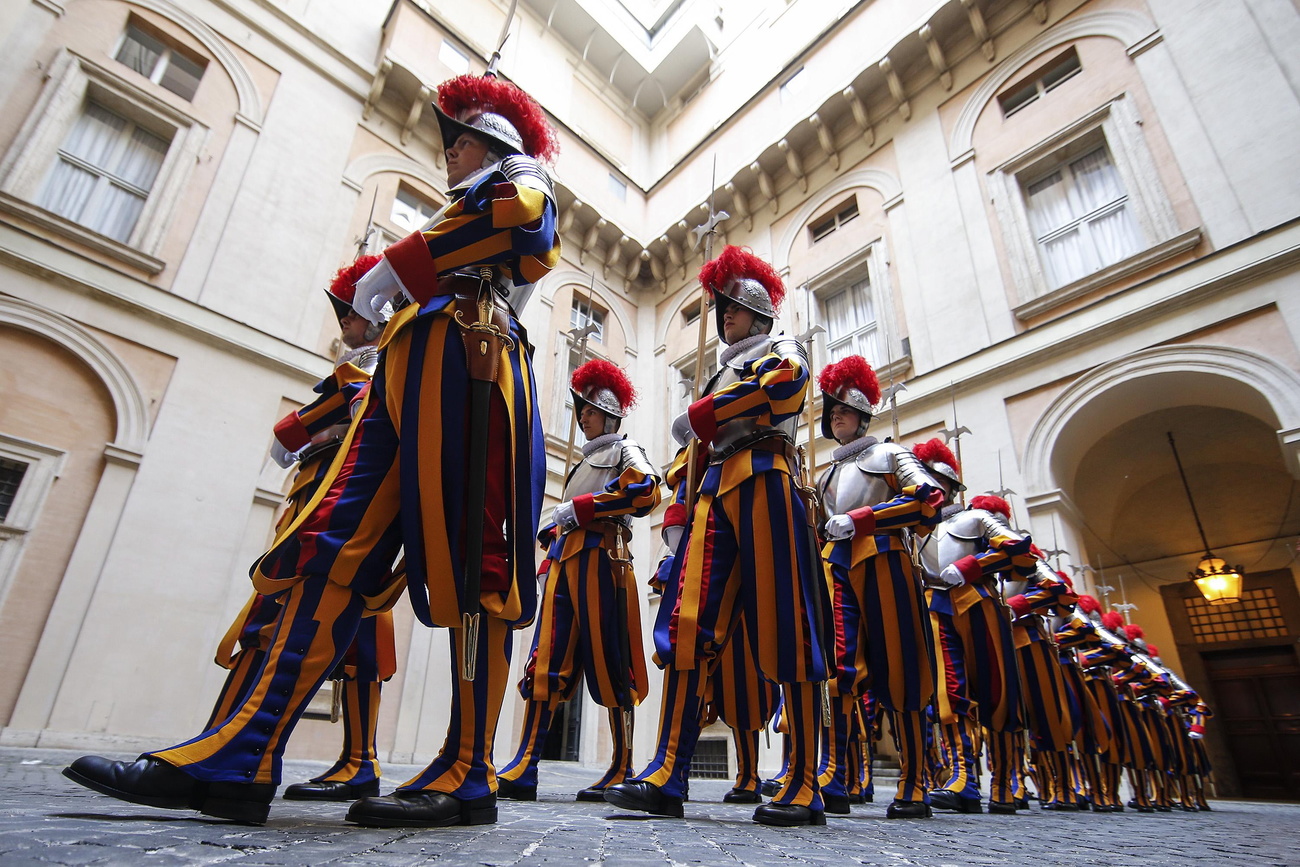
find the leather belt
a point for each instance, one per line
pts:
(773, 441)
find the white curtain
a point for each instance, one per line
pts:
(1081, 220)
(851, 323)
(103, 175)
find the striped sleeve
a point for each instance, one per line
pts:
(634, 493)
(1079, 633)
(1045, 597)
(771, 391)
(496, 223)
(333, 406)
(915, 506)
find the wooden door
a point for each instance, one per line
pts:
(1258, 714)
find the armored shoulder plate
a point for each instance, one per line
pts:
(632, 456)
(788, 347)
(879, 459)
(964, 525)
(528, 172)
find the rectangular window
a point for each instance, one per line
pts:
(691, 312)
(851, 326)
(1046, 79)
(411, 210)
(453, 58)
(793, 86)
(710, 761)
(11, 477)
(104, 172)
(846, 212)
(584, 311)
(1080, 218)
(163, 64)
(1258, 614)
(617, 188)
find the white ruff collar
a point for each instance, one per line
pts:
(741, 346)
(599, 443)
(861, 444)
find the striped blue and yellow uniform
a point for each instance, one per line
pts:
(579, 626)
(745, 555)
(398, 482)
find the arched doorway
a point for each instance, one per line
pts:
(1107, 487)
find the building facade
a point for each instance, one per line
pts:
(1070, 227)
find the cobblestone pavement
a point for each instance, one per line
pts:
(46, 819)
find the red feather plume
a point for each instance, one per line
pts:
(605, 374)
(344, 283)
(739, 262)
(1065, 579)
(851, 371)
(1089, 604)
(989, 503)
(1113, 620)
(934, 450)
(1152, 650)
(463, 95)
(1133, 631)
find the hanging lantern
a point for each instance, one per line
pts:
(1219, 583)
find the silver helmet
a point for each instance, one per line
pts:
(853, 398)
(751, 295)
(949, 473)
(501, 134)
(601, 398)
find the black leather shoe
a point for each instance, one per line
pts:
(320, 790)
(591, 793)
(742, 796)
(788, 815)
(863, 798)
(155, 783)
(417, 809)
(837, 805)
(770, 788)
(1005, 808)
(1145, 809)
(1022, 803)
(1204, 808)
(646, 798)
(512, 791)
(946, 799)
(908, 810)
(1164, 809)
(1056, 806)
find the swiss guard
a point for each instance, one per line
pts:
(454, 384)
(589, 622)
(870, 494)
(311, 437)
(746, 553)
(975, 653)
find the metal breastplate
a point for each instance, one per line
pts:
(944, 547)
(741, 429)
(594, 472)
(854, 483)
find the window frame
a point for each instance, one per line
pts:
(871, 260)
(164, 61)
(74, 80)
(1117, 125)
(44, 465)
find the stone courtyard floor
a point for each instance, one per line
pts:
(46, 819)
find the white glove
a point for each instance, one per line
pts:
(379, 286)
(952, 576)
(1196, 736)
(565, 517)
(839, 527)
(672, 536)
(283, 457)
(682, 431)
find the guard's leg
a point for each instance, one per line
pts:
(239, 681)
(463, 769)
